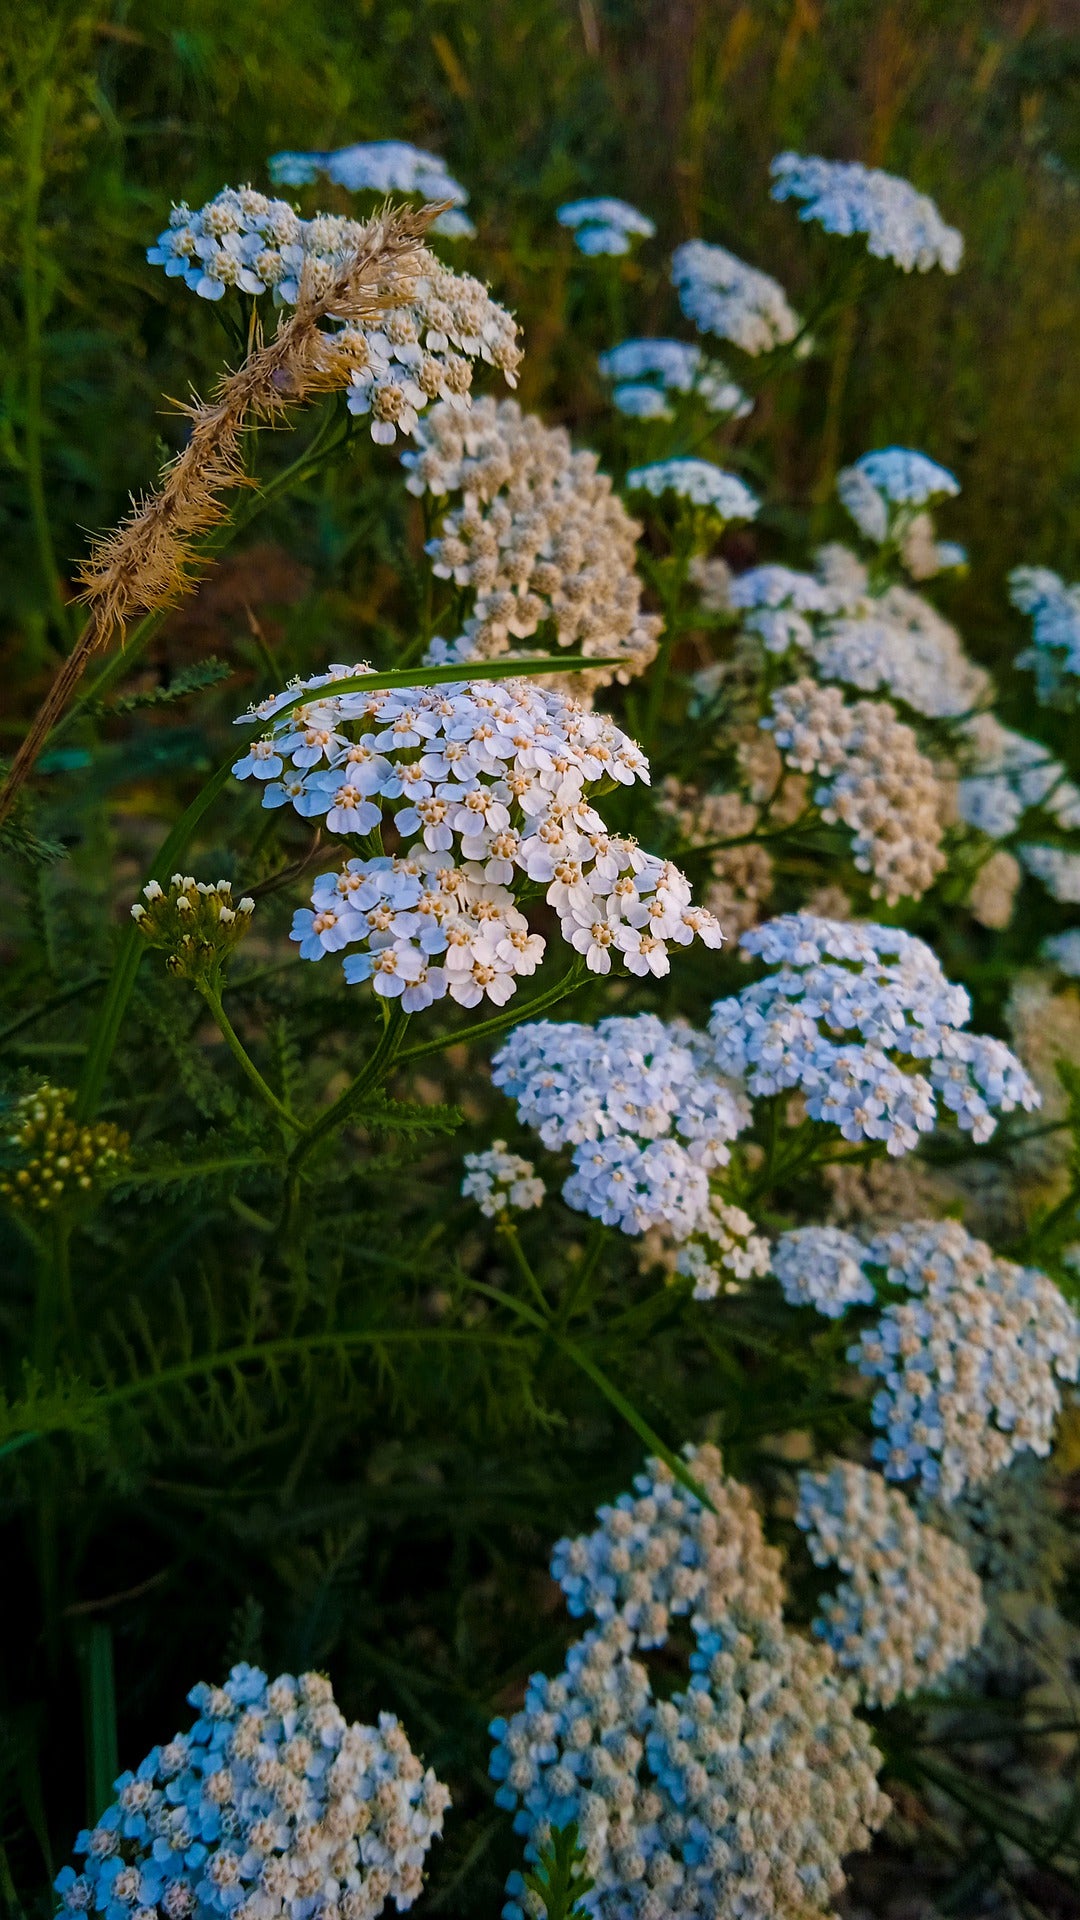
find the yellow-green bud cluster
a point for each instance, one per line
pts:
(197, 925)
(56, 1159)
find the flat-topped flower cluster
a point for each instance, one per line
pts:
(722, 295)
(640, 1105)
(271, 1804)
(850, 1016)
(900, 223)
(740, 1793)
(911, 1605)
(540, 536)
(875, 781)
(644, 372)
(487, 788)
(430, 330)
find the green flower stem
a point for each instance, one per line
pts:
(843, 349)
(132, 947)
(508, 1233)
(511, 1015)
(613, 1394)
(33, 323)
(583, 1273)
(53, 1295)
(376, 1070)
(243, 1059)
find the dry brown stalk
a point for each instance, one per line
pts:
(151, 560)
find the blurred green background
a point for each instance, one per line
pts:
(112, 111)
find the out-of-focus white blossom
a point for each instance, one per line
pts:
(604, 225)
(883, 491)
(725, 297)
(899, 222)
(993, 891)
(911, 1605)
(642, 1108)
(701, 482)
(540, 535)
(661, 367)
(1063, 951)
(488, 789)
(381, 166)
(1004, 774)
(1054, 607)
(970, 1366)
(1057, 868)
(874, 780)
(898, 643)
(501, 1182)
(851, 1015)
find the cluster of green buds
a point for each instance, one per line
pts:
(197, 925)
(51, 1159)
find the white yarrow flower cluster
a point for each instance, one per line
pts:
(899, 222)
(604, 225)
(487, 786)
(642, 1108)
(899, 644)
(382, 166)
(1062, 950)
(725, 297)
(851, 1015)
(822, 1267)
(540, 535)
(740, 1793)
(1054, 607)
(1005, 774)
(775, 601)
(884, 491)
(700, 482)
(271, 1804)
(427, 336)
(875, 781)
(1057, 868)
(644, 372)
(911, 1605)
(501, 1182)
(970, 1366)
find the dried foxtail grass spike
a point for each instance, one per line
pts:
(149, 561)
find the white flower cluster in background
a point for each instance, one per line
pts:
(740, 1793)
(658, 1553)
(898, 643)
(1054, 654)
(540, 536)
(822, 1267)
(874, 780)
(501, 1182)
(487, 787)
(775, 601)
(701, 482)
(641, 1106)
(992, 896)
(723, 1253)
(911, 1605)
(1063, 951)
(271, 1804)
(644, 372)
(1005, 774)
(883, 490)
(382, 166)
(970, 1365)
(604, 225)
(1057, 868)
(427, 337)
(725, 297)
(741, 875)
(850, 1015)
(900, 223)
